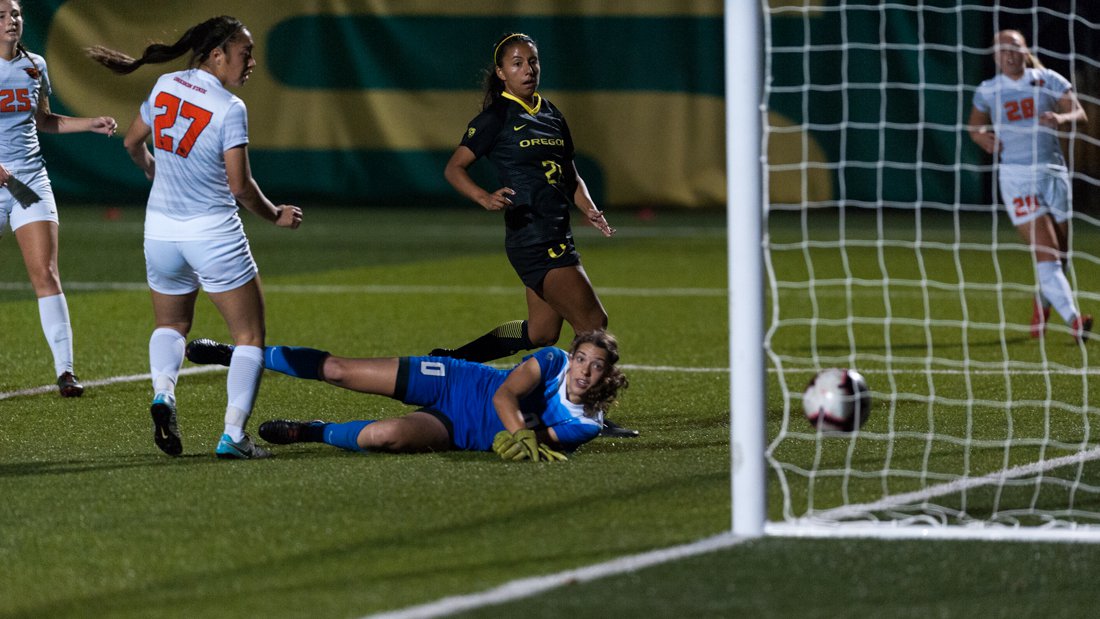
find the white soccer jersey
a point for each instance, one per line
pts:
(194, 120)
(23, 81)
(1015, 107)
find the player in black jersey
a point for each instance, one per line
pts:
(527, 140)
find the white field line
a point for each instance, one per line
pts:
(114, 380)
(393, 289)
(959, 485)
(526, 587)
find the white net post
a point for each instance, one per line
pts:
(745, 267)
(887, 250)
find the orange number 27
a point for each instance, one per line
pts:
(174, 107)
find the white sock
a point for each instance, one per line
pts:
(246, 367)
(54, 314)
(1056, 290)
(166, 348)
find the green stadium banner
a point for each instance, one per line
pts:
(362, 102)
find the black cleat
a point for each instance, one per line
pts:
(611, 429)
(1081, 327)
(442, 352)
(166, 433)
(69, 385)
(205, 351)
(286, 431)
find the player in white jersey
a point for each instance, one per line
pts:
(1016, 118)
(193, 235)
(26, 199)
(552, 402)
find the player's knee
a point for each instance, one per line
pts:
(541, 338)
(389, 437)
(44, 279)
(600, 319)
(335, 370)
(592, 321)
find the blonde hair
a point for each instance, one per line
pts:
(1030, 59)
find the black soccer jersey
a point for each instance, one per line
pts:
(532, 151)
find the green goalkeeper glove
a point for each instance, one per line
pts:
(526, 447)
(502, 442)
(522, 445)
(549, 455)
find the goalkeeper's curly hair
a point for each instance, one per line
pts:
(605, 393)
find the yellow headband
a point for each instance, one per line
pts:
(503, 41)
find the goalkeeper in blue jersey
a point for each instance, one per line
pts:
(548, 405)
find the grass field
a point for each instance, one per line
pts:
(95, 521)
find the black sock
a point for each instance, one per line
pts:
(312, 433)
(503, 341)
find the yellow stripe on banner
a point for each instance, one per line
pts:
(652, 146)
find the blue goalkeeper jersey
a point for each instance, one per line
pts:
(463, 392)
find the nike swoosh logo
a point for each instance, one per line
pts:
(517, 128)
(163, 434)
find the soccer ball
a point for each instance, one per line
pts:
(837, 399)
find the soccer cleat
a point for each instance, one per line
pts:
(611, 429)
(1040, 316)
(69, 385)
(243, 450)
(1080, 328)
(442, 352)
(205, 351)
(166, 433)
(286, 431)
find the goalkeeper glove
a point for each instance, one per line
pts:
(502, 441)
(549, 455)
(522, 445)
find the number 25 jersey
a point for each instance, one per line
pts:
(194, 120)
(23, 81)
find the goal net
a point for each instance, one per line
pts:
(886, 249)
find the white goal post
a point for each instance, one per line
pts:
(866, 230)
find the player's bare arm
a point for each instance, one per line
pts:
(247, 191)
(981, 132)
(457, 175)
(1069, 111)
(48, 122)
(520, 382)
(134, 142)
(583, 199)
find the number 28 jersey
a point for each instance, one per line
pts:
(532, 151)
(1015, 107)
(194, 120)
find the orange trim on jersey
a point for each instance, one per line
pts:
(529, 110)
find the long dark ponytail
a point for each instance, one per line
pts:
(200, 40)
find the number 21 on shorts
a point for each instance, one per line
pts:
(1025, 205)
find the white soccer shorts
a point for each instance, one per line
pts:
(45, 209)
(180, 267)
(1030, 192)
